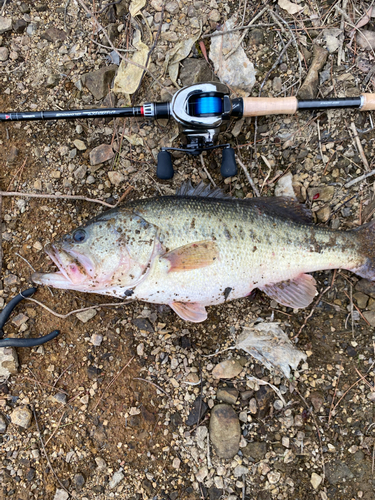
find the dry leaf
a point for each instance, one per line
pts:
(290, 7)
(134, 140)
(136, 6)
(128, 75)
(179, 52)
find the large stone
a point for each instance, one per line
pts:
(370, 316)
(229, 368)
(54, 35)
(99, 82)
(5, 24)
(227, 395)
(195, 71)
(100, 154)
(116, 479)
(21, 416)
(85, 316)
(61, 495)
(255, 450)
(367, 287)
(225, 432)
(4, 54)
(8, 362)
(338, 472)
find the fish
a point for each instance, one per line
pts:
(200, 248)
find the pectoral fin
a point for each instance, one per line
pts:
(296, 293)
(192, 256)
(190, 311)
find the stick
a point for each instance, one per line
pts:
(251, 182)
(358, 179)
(56, 197)
(359, 146)
(152, 383)
(45, 453)
(206, 171)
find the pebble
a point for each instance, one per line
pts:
(240, 471)
(21, 416)
(116, 479)
(80, 172)
(11, 280)
(229, 368)
(176, 463)
(116, 178)
(8, 362)
(3, 424)
(370, 316)
(273, 477)
(194, 416)
(5, 24)
(256, 450)
(321, 193)
(201, 475)
(100, 154)
(98, 82)
(85, 316)
(79, 480)
(227, 395)
(366, 287)
(96, 339)
(60, 397)
(19, 26)
(80, 145)
(225, 432)
(361, 299)
(61, 495)
(316, 480)
(172, 7)
(4, 54)
(32, 28)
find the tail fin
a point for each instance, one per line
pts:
(366, 237)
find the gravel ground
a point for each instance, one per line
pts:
(125, 402)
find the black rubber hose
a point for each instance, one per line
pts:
(28, 342)
(7, 311)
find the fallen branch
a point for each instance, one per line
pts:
(56, 197)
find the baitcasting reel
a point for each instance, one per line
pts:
(200, 110)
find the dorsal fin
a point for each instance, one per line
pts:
(203, 190)
(282, 206)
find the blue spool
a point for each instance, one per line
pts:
(208, 105)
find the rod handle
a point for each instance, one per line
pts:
(262, 106)
(368, 102)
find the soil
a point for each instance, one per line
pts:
(126, 400)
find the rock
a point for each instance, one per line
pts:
(122, 8)
(367, 287)
(80, 145)
(85, 316)
(32, 28)
(21, 416)
(157, 5)
(361, 299)
(96, 339)
(256, 37)
(237, 71)
(116, 178)
(309, 87)
(172, 7)
(3, 424)
(338, 472)
(98, 82)
(195, 71)
(214, 16)
(20, 319)
(195, 416)
(255, 450)
(316, 480)
(229, 368)
(12, 154)
(19, 26)
(60, 397)
(240, 471)
(30, 474)
(5, 24)
(8, 362)
(227, 395)
(201, 475)
(277, 84)
(323, 214)
(116, 479)
(273, 477)
(317, 400)
(263, 398)
(80, 172)
(79, 481)
(101, 153)
(370, 316)
(365, 39)
(4, 54)
(225, 432)
(61, 495)
(321, 193)
(54, 35)
(24, 8)
(143, 324)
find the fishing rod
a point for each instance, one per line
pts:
(201, 110)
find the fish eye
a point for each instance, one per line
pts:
(79, 235)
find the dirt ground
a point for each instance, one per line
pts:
(112, 418)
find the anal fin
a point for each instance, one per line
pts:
(296, 293)
(190, 311)
(192, 256)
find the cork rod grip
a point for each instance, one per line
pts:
(368, 102)
(262, 106)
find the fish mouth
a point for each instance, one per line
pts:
(72, 269)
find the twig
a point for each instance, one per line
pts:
(320, 144)
(45, 453)
(42, 383)
(64, 316)
(341, 52)
(245, 32)
(56, 197)
(3, 9)
(264, 382)
(251, 182)
(358, 179)
(23, 258)
(112, 382)
(359, 312)
(57, 427)
(269, 171)
(152, 383)
(109, 48)
(206, 171)
(359, 146)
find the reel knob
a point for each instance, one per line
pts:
(228, 163)
(164, 169)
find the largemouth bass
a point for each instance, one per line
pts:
(199, 248)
